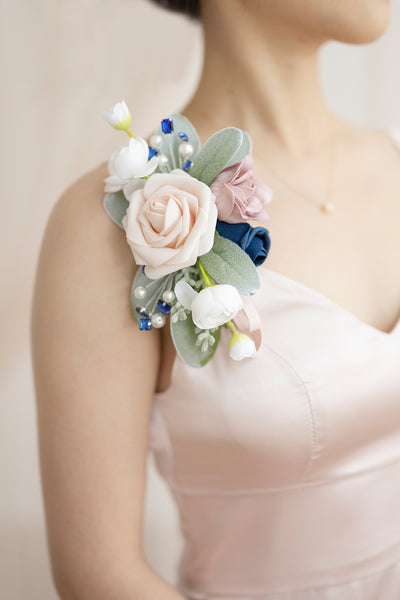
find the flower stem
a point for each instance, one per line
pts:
(206, 277)
(129, 132)
(231, 327)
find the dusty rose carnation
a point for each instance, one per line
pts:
(170, 222)
(239, 197)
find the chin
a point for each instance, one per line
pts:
(317, 21)
(359, 21)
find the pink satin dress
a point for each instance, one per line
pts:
(286, 468)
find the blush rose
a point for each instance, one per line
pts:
(170, 222)
(239, 196)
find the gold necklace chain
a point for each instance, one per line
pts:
(327, 206)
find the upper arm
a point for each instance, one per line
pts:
(95, 374)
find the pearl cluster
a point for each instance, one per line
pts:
(158, 318)
(185, 148)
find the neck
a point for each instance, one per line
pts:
(262, 76)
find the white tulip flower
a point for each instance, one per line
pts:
(211, 307)
(119, 116)
(128, 163)
(241, 346)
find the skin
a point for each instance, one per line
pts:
(95, 376)
(261, 74)
(96, 373)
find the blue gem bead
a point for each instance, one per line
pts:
(187, 164)
(145, 324)
(183, 136)
(141, 311)
(143, 270)
(164, 307)
(167, 125)
(152, 152)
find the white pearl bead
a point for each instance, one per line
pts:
(168, 296)
(139, 292)
(158, 320)
(186, 149)
(162, 160)
(156, 141)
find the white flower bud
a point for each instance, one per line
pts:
(129, 162)
(211, 307)
(241, 346)
(118, 116)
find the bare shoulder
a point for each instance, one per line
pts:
(85, 273)
(80, 211)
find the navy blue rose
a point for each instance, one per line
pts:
(255, 241)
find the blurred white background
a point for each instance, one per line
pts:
(62, 65)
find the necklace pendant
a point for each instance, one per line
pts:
(328, 207)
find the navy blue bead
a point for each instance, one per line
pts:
(187, 164)
(141, 311)
(143, 270)
(152, 152)
(183, 136)
(163, 307)
(145, 324)
(167, 125)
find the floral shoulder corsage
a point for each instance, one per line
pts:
(184, 209)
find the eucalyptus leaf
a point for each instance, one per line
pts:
(116, 206)
(171, 141)
(216, 153)
(184, 337)
(226, 262)
(244, 150)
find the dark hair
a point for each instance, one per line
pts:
(190, 8)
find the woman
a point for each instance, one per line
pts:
(285, 468)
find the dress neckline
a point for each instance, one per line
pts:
(326, 300)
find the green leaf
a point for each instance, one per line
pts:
(116, 206)
(216, 154)
(184, 337)
(228, 263)
(171, 141)
(244, 150)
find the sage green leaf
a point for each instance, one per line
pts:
(171, 141)
(244, 150)
(226, 262)
(184, 336)
(216, 153)
(116, 206)
(154, 291)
